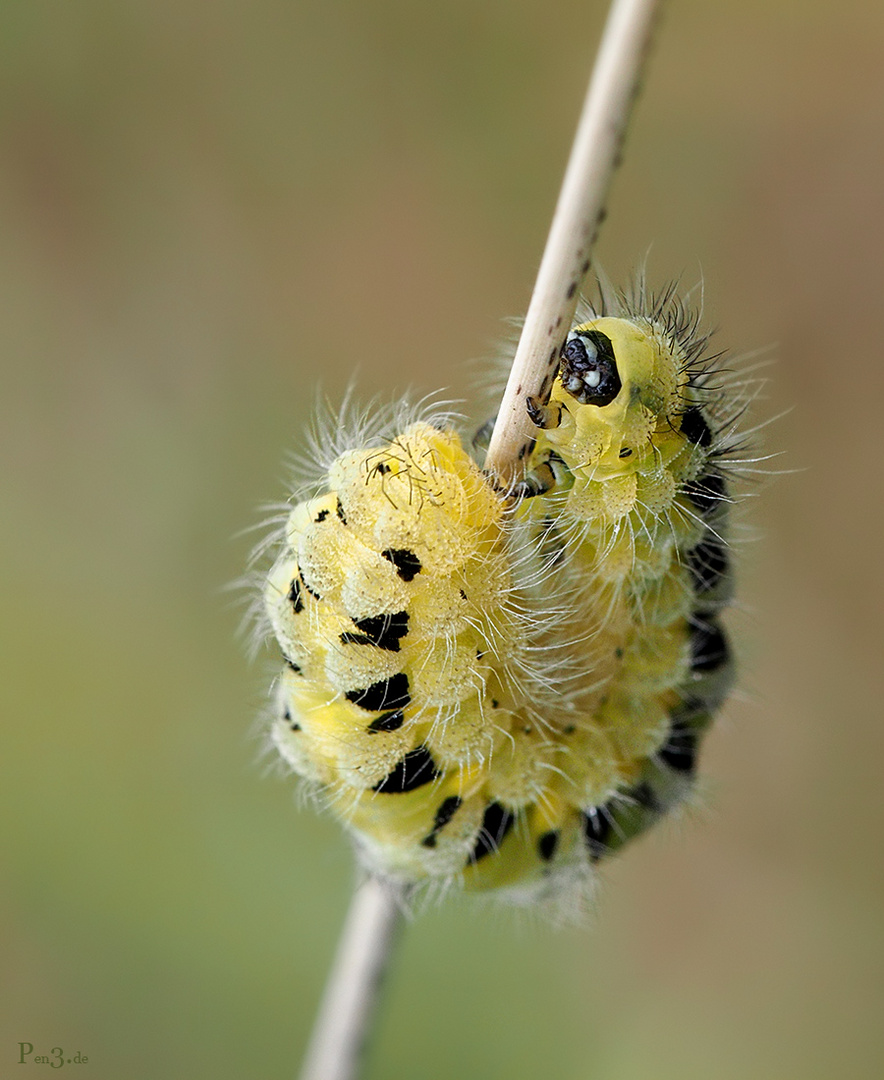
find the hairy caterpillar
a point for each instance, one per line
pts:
(499, 688)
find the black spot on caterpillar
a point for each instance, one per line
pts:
(413, 771)
(389, 693)
(294, 594)
(707, 494)
(496, 823)
(390, 721)
(709, 649)
(312, 592)
(708, 563)
(695, 428)
(643, 795)
(597, 831)
(679, 751)
(321, 516)
(547, 844)
(406, 562)
(384, 631)
(444, 814)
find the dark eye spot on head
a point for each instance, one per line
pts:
(390, 721)
(413, 771)
(384, 631)
(444, 814)
(589, 369)
(708, 564)
(694, 427)
(709, 648)
(406, 562)
(321, 516)
(496, 823)
(547, 844)
(389, 693)
(294, 594)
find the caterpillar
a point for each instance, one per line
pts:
(500, 688)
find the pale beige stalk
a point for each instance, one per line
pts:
(579, 212)
(348, 1007)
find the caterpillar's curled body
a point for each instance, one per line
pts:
(501, 688)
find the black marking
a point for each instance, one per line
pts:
(495, 704)
(339, 510)
(406, 562)
(444, 814)
(547, 844)
(708, 563)
(321, 516)
(709, 648)
(413, 771)
(382, 468)
(390, 721)
(679, 751)
(707, 493)
(597, 831)
(645, 796)
(463, 595)
(496, 823)
(294, 594)
(694, 427)
(384, 631)
(293, 666)
(389, 693)
(312, 592)
(589, 368)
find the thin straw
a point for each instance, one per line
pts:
(579, 212)
(351, 995)
(353, 986)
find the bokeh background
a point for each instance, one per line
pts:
(206, 211)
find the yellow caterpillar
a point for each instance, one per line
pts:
(500, 688)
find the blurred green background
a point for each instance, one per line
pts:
(206, 210)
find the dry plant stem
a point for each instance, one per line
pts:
(578, 214)
(351, 993)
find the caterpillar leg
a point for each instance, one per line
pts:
(544, 416)
(541, 479)
(482, 438)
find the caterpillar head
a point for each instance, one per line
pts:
(619, 383)
(618, 360)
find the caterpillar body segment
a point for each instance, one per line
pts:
(499, 689)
